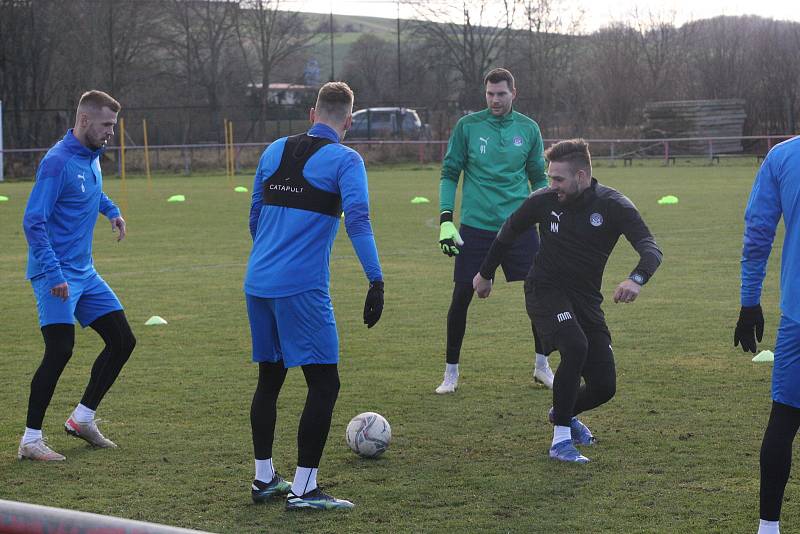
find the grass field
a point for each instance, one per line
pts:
(678, 448)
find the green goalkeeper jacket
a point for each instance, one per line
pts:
(500, 157)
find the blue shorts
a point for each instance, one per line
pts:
(516, 263)
(88, 300)
(786, 370)
(299, 329)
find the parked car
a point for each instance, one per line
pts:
(387, 123)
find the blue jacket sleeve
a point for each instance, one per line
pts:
(355, 203)
(269, 163)
(760, 221)
(108, 208)
(256, 204)
(46, 189)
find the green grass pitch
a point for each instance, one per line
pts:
(678, 449)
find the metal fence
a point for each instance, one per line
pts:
(20, 164)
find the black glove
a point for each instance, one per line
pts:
(749, 328)
(373, 306)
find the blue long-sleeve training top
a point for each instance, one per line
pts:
(776, 192)
(291, 246)
(62, 211)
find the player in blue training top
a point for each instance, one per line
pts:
(302, 184)
(59, 224)
(776, 193)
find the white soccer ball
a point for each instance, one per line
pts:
(368, 434)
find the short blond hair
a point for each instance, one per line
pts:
(99, 100)
(335, 101)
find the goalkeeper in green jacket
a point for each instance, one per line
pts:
(501, 154)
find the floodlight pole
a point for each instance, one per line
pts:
(1, 141)
(331, 33)
(399, 76)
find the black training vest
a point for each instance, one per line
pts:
(289, 188)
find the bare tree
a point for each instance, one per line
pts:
(776, 76)
(663, 48)
(545, 51)
(471, 46)
(268, 35)
(34, 58)
(612, 68)
(367, 70)
(131, 44)
(718, 55)
(198, 36)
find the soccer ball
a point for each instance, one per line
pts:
(368, 434)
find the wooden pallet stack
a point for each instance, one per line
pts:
(696, 118)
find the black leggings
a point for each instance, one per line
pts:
(457, 322)
(582, 355)
(315, 422)
(59, 340)
(776, 458)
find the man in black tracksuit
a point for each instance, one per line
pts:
(580, 222)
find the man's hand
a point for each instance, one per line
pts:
(449, 238)
(373, 306)
(118, 223)
(60, 291)
(627, 291)
(749, 328)
(482, 286)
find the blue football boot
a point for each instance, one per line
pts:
(565, 451)
(580, 433)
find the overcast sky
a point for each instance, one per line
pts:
(598, 13)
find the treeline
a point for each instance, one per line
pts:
(186, 65)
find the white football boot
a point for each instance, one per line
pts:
(543, 375)
(448, 385)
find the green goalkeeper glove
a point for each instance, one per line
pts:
(449, 238)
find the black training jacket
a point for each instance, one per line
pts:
(577, 238)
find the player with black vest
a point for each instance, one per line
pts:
(580, 222)
(302, 184)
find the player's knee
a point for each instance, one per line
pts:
(123, 345)
(330, 387)
(572, 343)
(58, 350)
(58, 342)
(323, 382)
(128, 343)
(605, 390)
(126, 340)
(462, 296)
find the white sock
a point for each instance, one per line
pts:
(82, 414)
(541, 361)
(451, 369)
(31, 435)
(264, 470)
(769, 527)
(305, 480)
(561, 433)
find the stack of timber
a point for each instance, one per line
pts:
(696, 118)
